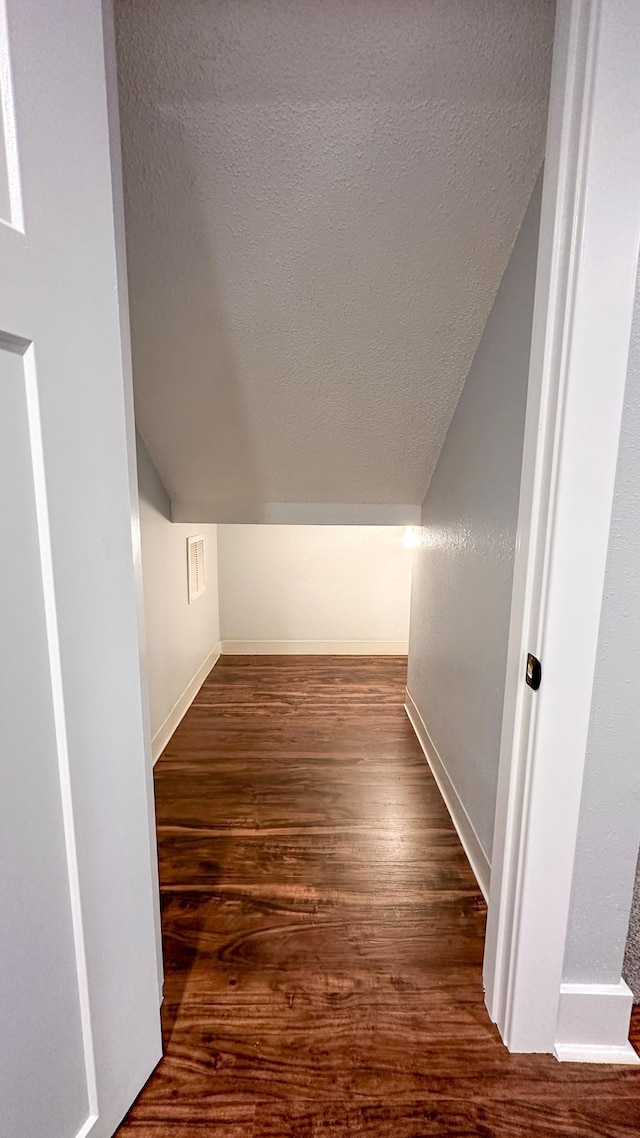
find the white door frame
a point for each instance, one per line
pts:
(588, 260)
(117, 187)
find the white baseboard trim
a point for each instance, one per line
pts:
(593, 1024)
(182, 705)
(315, 647)
(469, 839)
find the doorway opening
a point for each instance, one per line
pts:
(283, 413)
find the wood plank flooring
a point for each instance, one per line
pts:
(323, 932)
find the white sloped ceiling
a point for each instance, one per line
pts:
(321, 198)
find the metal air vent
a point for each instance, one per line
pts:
(196, 572)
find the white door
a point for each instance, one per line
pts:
(79, 992)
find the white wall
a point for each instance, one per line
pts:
(609, 826)
(180, 638)
(463, 568)
(333, 587)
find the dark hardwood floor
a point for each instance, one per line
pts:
(323, 931)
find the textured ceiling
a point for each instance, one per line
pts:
(321, 199)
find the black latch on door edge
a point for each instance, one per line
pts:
(534, 672)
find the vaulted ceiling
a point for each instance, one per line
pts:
(321, 198)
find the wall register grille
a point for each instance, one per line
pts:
(196, 569)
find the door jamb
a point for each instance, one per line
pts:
(117, 184)
(585, 287)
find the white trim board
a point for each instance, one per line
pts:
(182, 705)
(464, 827)
(314, 647)
(593, 1024)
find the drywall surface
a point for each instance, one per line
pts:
(321, 199)
(463, 567)
(314, 583)
(179, 636)
(609, 826)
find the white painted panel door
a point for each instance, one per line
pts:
(79, 993)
